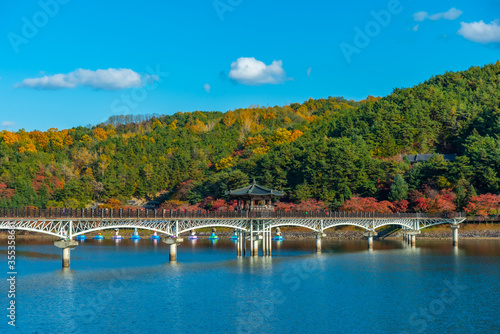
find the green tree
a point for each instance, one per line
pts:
(399, 189)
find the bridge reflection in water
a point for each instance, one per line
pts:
(253, 228)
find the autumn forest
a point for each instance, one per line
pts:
(326, 153)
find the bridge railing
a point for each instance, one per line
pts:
(65, 213)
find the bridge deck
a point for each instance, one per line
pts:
(89, 214)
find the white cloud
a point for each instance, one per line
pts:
(451, 14)
(109, 79)
(206, 87)
(250, 71)
(415, 28)
(8, 124)
(420, 16)
(481, 32)
(309, 70)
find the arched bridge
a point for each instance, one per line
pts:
(67, 223)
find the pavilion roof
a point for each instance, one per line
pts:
(254, 190)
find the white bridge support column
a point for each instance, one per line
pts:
(369, 236)
(454, 228)
(269, 242)
(319, 236)
(66, 257)
(67, 245)
(173, 253)
(172, 242)
(244, 241)
(239, 244)
(252, 253)
(264, 240)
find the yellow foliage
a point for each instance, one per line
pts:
(255, 141)
(295, 134)
(110, 130)
(197, 127)
(86, 139)
(30, 147)
(261, 150)
(100, 134)
(224, 163)
(157, 124)
(269, 115)
(173, 126)
(11, 138)
(229, 119)
(281, 136)
(22, 149)
(40, 138)
(287, 120)
(89, 172)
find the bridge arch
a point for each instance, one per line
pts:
(212, 226)
(346, 224)
(37, 231)
(101, 228)
(281, 224)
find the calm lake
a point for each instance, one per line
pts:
(131, 287)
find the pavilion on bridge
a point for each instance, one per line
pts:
(254, 197)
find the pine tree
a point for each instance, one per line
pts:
(399, 189)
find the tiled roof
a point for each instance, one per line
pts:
(425, 157)
(254, 189)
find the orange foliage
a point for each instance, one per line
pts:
(483, 205)
(111, 203)
(100, 133)
(11, 138)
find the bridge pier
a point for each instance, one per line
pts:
(238, 244)
(369, 236)
(455, 228)
(172, 242)
(412, 237)
(67, 245)
(319, 235)
(264, 242)
(270, 243)
(244, 241)
(256, 246)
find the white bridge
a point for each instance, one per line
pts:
(68, 223)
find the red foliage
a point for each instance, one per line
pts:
(6, 192)
(366, 204)
(435, 202)
(39, 181)
(483, 205)
(281, 206)
(421, 204)
(400, 206)
(219, 205)
(311, 205)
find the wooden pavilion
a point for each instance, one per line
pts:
(254, 197)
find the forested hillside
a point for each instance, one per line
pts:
(344, 154)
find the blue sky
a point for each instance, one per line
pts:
(65, 63)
